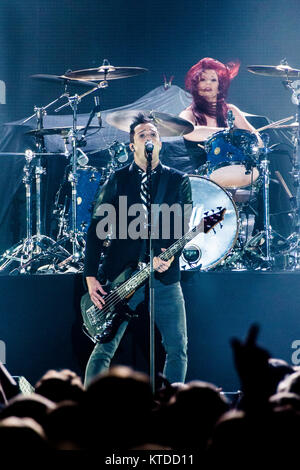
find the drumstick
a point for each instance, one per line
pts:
(274, 124)
(279, 176)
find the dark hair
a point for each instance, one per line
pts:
(141, 118)
(200, 105)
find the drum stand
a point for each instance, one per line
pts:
(73, 262)
(295, 250)
(264, 165)
(257, 253)
(72, 237)
(33, 245)
(264, 240)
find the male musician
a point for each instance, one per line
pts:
(171, 187)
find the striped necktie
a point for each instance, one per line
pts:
(144, 192)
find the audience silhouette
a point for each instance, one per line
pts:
(119, 412)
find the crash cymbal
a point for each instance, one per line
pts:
(168, 125)
(105, 72)
(56, 130)
(281, 71)
(62, 79)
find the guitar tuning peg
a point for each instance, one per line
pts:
(212, 210)
(219, 208)
(214, 231)
(221, 225)
(206, 213)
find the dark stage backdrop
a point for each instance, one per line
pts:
(51, 36)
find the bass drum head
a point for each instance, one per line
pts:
(205, 251)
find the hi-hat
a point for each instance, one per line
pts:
(105, 72)
(168, 125)
(281, 71)
(62, 79)
(56, 130)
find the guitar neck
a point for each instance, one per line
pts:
(139, 278)
(179, 244)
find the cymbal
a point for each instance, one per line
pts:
(56, 130)
(61, 79)
(20, 154)
(168, 125)
(105, 72)
(281, 71)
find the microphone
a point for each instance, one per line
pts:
(149, 146)
(97, 109)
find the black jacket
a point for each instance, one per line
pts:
(127, 251)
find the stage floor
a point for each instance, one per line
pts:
(40, 322)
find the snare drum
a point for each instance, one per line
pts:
(232, 158)
(205, 251)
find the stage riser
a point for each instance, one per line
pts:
(40, 323)
(224, 305)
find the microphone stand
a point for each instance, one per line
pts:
(96, 109)
(151, 277)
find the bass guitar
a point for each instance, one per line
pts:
(101, 325)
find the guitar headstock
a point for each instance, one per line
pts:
(215, 218)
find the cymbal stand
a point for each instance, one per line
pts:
(267, 237)
(296, 165)
(264, 165)
(296, 171)
(39, 171)
(294, 86)
(73, 235)
(21, 252)
(33, 246)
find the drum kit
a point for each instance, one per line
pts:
(236, 171)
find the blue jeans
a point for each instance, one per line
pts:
(171, 321)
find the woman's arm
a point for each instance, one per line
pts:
(241, 123)
(200, 133)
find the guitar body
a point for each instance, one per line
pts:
(102, 325)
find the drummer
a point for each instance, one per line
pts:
(208, 81)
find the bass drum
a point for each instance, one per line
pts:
(205, 251)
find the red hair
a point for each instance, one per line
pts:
(200, 106)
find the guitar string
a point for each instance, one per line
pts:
(115, 297)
